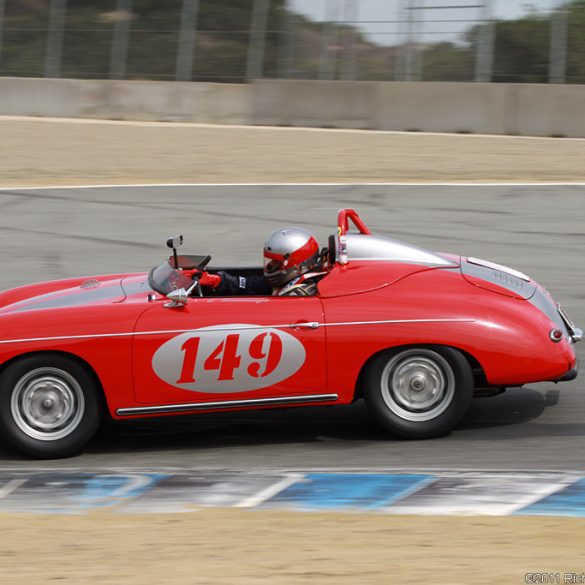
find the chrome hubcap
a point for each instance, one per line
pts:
(417, 385)
(47, 404)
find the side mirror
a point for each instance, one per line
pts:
(177, 298)
(175, 242)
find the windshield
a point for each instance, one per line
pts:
(165, 279)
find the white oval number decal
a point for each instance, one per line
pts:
(228, 358)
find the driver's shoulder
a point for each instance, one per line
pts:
(306, 287)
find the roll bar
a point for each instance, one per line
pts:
(343, 218)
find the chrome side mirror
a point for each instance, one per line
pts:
(177, 298)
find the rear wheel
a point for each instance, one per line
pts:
(419, 392)
(49, 406)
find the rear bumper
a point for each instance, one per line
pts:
(570, 375)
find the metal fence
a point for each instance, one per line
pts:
(240, 40)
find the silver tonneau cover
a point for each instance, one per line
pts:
(372, 247)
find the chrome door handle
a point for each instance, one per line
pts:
(305, 325)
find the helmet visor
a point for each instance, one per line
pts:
(272, 265)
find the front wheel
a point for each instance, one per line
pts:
(49, 406)
(419, 392)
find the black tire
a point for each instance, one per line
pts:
(49, 406)
(419, 392)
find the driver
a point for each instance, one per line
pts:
(292, 266)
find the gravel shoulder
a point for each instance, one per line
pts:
(38, 152)
(249, 548)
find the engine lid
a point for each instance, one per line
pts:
(497, 278)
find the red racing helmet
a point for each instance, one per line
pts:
(289, 252)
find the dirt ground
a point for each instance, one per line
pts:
(41, 152)
(251, 548)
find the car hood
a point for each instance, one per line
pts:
(63, 294)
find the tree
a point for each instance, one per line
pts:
(220, 53)
(576, 42)
(448, 62)
(522, 46)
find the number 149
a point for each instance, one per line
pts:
(225, 358)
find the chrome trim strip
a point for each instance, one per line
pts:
(64, 337)
(575, 333)
(241, 328)
(398, 321)
(226, 404)
(136, 333)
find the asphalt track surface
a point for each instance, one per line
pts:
(56, 233)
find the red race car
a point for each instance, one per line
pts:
(413, 332)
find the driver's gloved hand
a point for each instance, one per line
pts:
(205, 279)
(210, 280)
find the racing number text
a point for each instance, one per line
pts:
(225, 358)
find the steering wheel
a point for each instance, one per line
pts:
(197, 286)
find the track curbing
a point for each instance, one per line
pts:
(397, 492)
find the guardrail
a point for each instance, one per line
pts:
(516, 109)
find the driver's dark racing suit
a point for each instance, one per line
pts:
(304, 285)
(242, 285)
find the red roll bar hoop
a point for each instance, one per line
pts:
(343, 222)
(343, 226)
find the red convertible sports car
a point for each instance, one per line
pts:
(414, 332)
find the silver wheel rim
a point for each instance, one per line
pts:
(417, 385)
(47, 404)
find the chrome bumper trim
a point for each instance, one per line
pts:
(169, 408)
(575, 333)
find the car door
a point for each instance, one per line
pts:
(229, 348)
